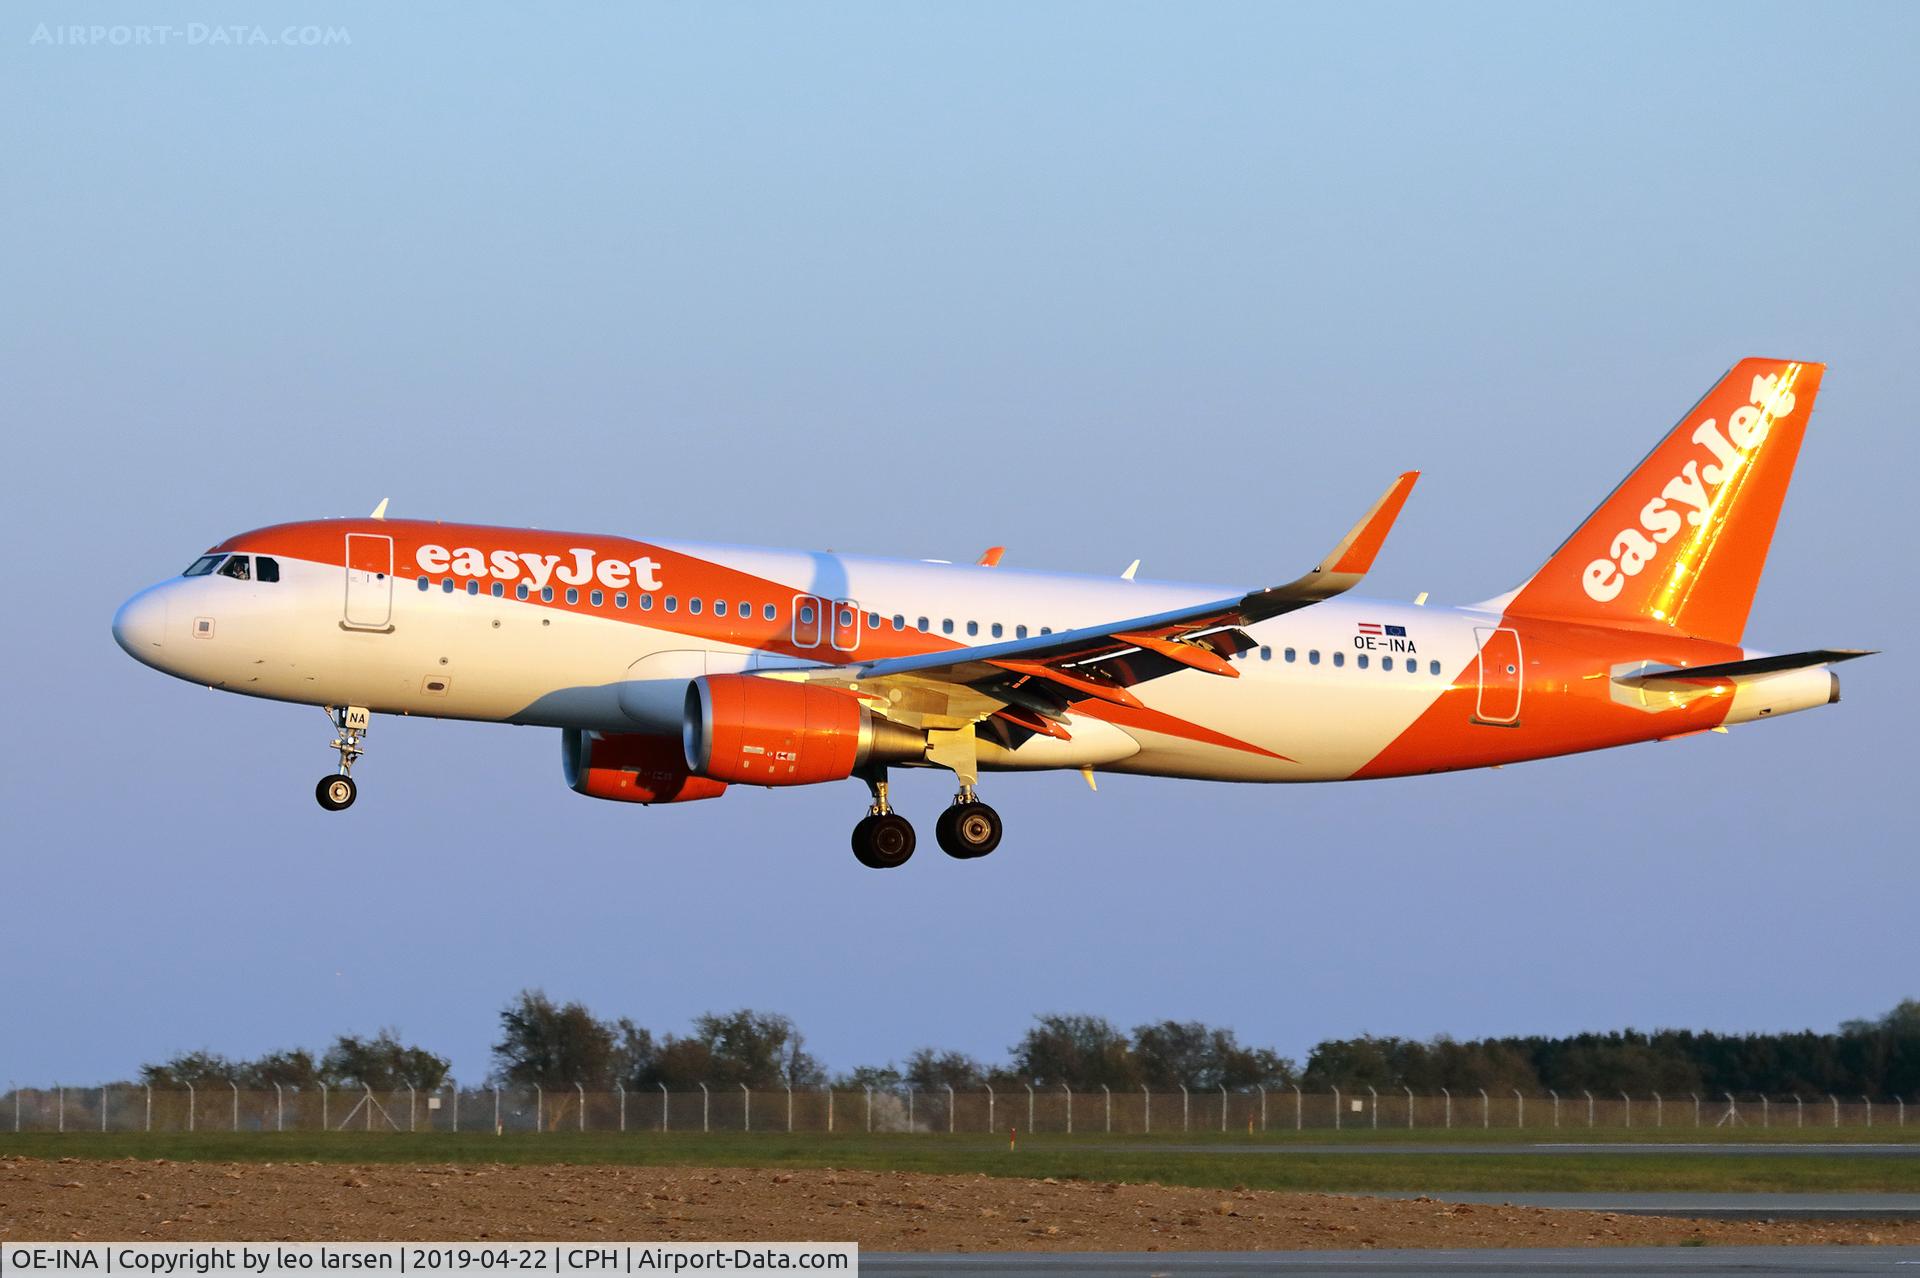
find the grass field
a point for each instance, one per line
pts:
(1223, 1161)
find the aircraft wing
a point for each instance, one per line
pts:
(1031, 682)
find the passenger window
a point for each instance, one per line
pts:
(1266, 654)
(446, 585)
(873, 621)
(1361, 661)
(719, 607)
(745, 611)
(923, 624)
(424, 583)
(596, 598)
(499, 590)
(673, 604)
(899, 621)
(620, 600)
(546, 594)
(473, 587)
(1433, 667)
(997, 632)
(973, 627)
(1290, 654)
(202, 566)
(1046, 630)
(1339, 658)
(573, 596)
(946, 626)
(265, 569)
(1019, 632)
(646, 603)
(806, 614)
(1386, 663)
(236, 567)
(770, 612)
(1313, 656)
(694, 605)
(521, 591)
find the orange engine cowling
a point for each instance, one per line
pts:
(759, 731)
(631, 768)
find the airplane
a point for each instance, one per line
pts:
(674, 669)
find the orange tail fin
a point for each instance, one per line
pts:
(1680, 543)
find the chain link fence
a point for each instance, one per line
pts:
(225, 1108)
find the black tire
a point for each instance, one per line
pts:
(968, 830)
(883, 842)
(337, 792)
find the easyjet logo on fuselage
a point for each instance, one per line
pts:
(1693, 489)
(584, 566)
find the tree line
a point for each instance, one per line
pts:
(558, 1046)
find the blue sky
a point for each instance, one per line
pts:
(1184, 283)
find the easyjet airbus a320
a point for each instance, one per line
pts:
(674, 670)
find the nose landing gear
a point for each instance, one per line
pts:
(338, 791)
(968, 828)
(884, 839)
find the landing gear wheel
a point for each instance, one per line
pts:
(883, 841)
(968, 830)
(336, 792)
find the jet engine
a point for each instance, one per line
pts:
(758, 731)
(631, 768)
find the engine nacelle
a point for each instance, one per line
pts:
(631, 768)
(758, 731)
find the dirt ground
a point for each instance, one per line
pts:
(71, 1198)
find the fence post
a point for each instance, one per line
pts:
(235, 1125)
(1589, 1096)
(103, 1107)
(1109, 1094)
(16, 1105)
(410, 1098)
(1733, 1111)
(16, 1109)
(453, 1102)
(279, 1110)
(326, 1122)
(1448, 1097)
(909, 1087)
(620, 1092)
(1869, 1104)
(1409, 1092)
(1223, 1107)
(1696, 1107)
(665, 1102)
(1659, 1110)
(369, 1088)
(1799, 1111)
(60, 1113)
(989, 1087)
(1486, 1109)
(1068, 1089)
(746, 1109)
(1766, 1111)
(190, 1107)
(1836, 1108)
(789, 1087)
(706, 1098)
(1376, 1105)
(1146, 1108)
(580, 1122)
(1519, 1109)
(1629, 1100)
(1263, 1106)
(1902, 1121)
(1336, 1109)
(829, 1109)
(496, 1109)
(539, 1109)
(1556, 1106)
(1029, 1088)
(1185, 1109)
(951, 1107)
(868, 1089)
(1298, 1118)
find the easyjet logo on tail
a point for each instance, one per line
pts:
(1687, 498)
(507, 565)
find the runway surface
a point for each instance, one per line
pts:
(1571, 1148)
(1604, 1262)
(1705, 1206)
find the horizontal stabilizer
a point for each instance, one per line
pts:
(1745, 669)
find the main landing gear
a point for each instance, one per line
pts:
(338, 791)
(885, 840)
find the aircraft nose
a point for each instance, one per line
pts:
(140, 626)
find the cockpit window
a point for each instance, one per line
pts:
(237, 568)
(265, 569)
(202, 566)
